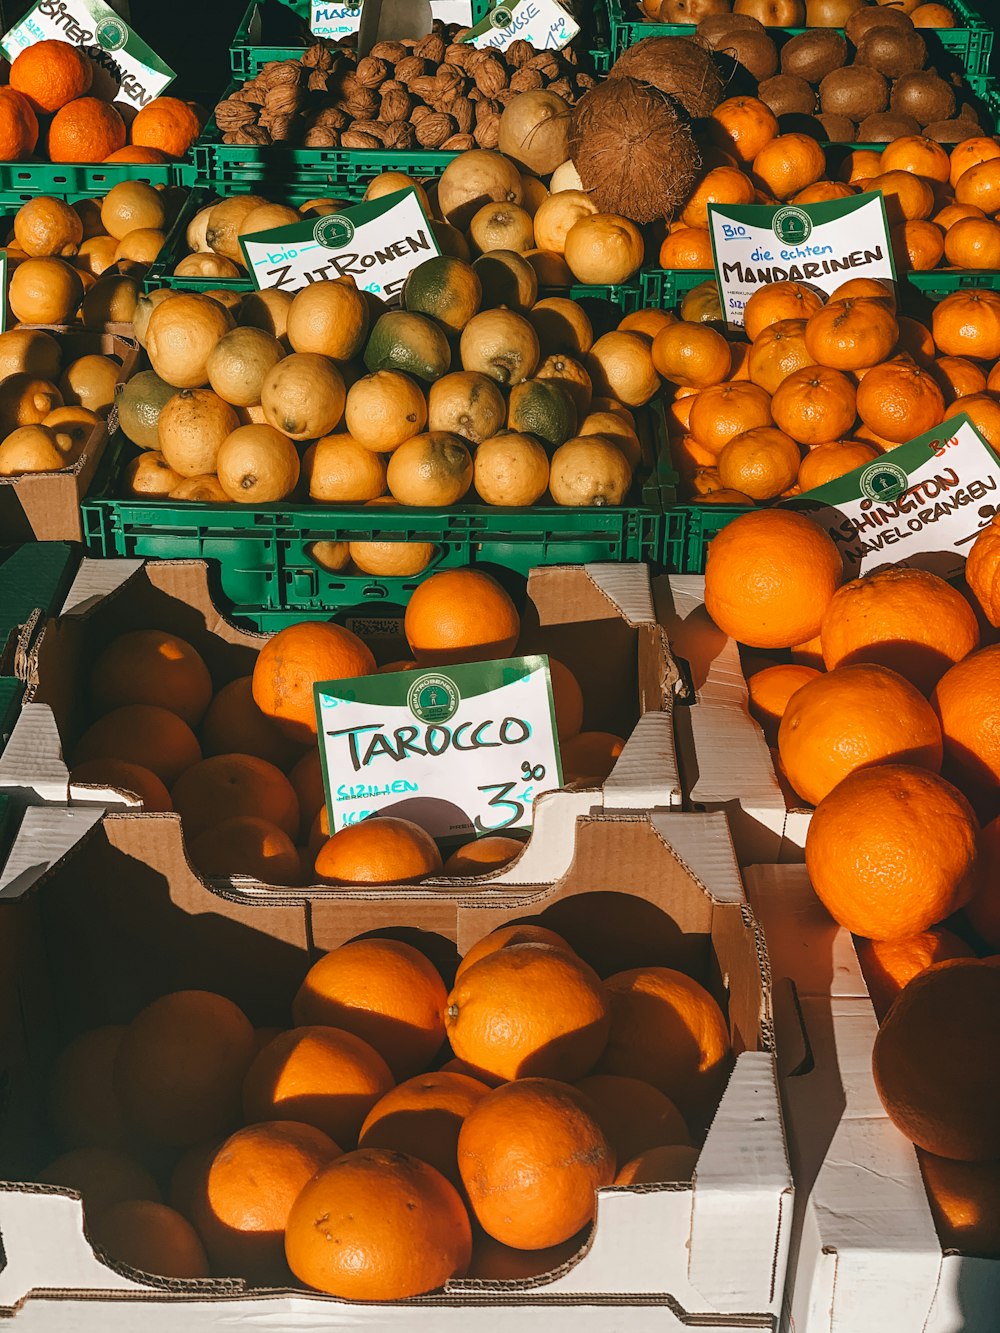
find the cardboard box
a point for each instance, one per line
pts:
(45, 506)
(90, 936)
(598, 619)
(724, 759)
(865, 1255)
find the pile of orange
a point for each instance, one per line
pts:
(396, 1134)
(885, 711)
(48, 109)
(819, 388)
(240, 763)
(942, 206)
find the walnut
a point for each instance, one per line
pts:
(519, 53)
(391, 86)
(332, 118)
(490, 75)
(506, 95)
(276, 73)
(450, 79)
(389, 51)
(487, 131)
(434, 129)
(399, 134)
(419, 113)
(396, 105)
(430, 48)
(463, 112)
(410, 68)
(460, 54)
(354, 139)
(252, 94)
(364, 104)
(487, 107)
(251, 134)
(568, 54)
(321, 137)
(546, 63)
(284, 100)
(460, 34)
(345, 87)
(425, 87)
(282, 128)
(372, 71)
(318, 57)
(458, 143)
(585, 81)
(373, 127)
(318, 81)
(233, 115)
(525, 80)
(476, 95)
(561, 87)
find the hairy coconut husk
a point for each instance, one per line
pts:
(675, 65)
(634, 149)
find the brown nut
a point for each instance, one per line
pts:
(425, 87)
(396, 105)
(373, 127)
(460, 54)
(318, 81)
(364, 104)
(419, 113)
(431, 47)
(458, 143)
(490, 75)
(546, 63)
(372, 71)
(519, 53)
(279, 72)
(282, 128)
(233, 115)
(400, 134)
(526, 80)
(432, 130)
(561, 87)
(355, 139)
(344, 86)
(317, 57)
(390, 51)
(284, 100)
(487, 131)
(251, 134)
(332, 118)
(463, 112)
(320, 137)
(410, 68)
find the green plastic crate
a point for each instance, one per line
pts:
(699, 523)
(969, 44)
(261, 557)
(21, 181)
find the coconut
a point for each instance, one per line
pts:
(534, 131)
(634, 149)
(677, 66)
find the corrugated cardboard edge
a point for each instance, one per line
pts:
(865, 1254)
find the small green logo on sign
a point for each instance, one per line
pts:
(333, 231)
(111, 33)
(883, 481)
(433, 698)
(792, 225)
(501, 17)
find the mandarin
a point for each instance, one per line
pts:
(958, 377)
(983, 409)
(917, 154)
(722, 411)
(744, 126)
(815, 405)
(920, 245)
(777, 351)
(969, 153)
(692, 355)
(788, 163)
(967, 323)
(852, 333)
(778, 301)
(761, 463)
(980, 185)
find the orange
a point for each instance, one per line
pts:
(151, 1238)
(973, 243)
(769, 577)
(826, 462)
(307, 779)
(892, 850)
(143, 782)
(528, 1010)
(227, 785)
(460, 615)
(246, 845)
(889, 964)
(422, 1117)
(482, 856)
(532, 1154)
(102, 1176)
(147, 666)
(720, 185)
(906, 619)
(85, 130)
(967, 323)
(965, 1202)
(809, 653)
(815, 405)
(969, 153)
(788, 163)
(906, 196)
(168, 124)
(980, 185)
(917, 154)
(293, 661)
(744, 126)
(958, 377)
(385, 992)
(649, 322)
(497, 1262)
(851, 718)
(822, 192)
(379, 850)
(253, 1179)
(688, 247)
(316, 1076)
(145, 156)
(505, 936)
(50, 74)
(983, 909)
(143, 734)
(852, 333)
(675, 1162)
(778, 301)
(936, 1060)
(378, 1226)
(18, 126)
(234, 724)
(667, 1030)
(589, 756)
(777, 351)
(633, 1115)
(567, 699)
(83, 1111)
(984, 411)
(967, 702)
(761, 463)
(180, 1067)
(920, 245)
(981, 569)
(770, 690)
(723, 411)
(692, 355)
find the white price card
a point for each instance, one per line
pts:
(137, 71)
(336, 21)
(922, 504)
(543, 23)
(459, 750)
(821, 245)
(378, 244)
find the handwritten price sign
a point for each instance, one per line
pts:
(460, 751)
